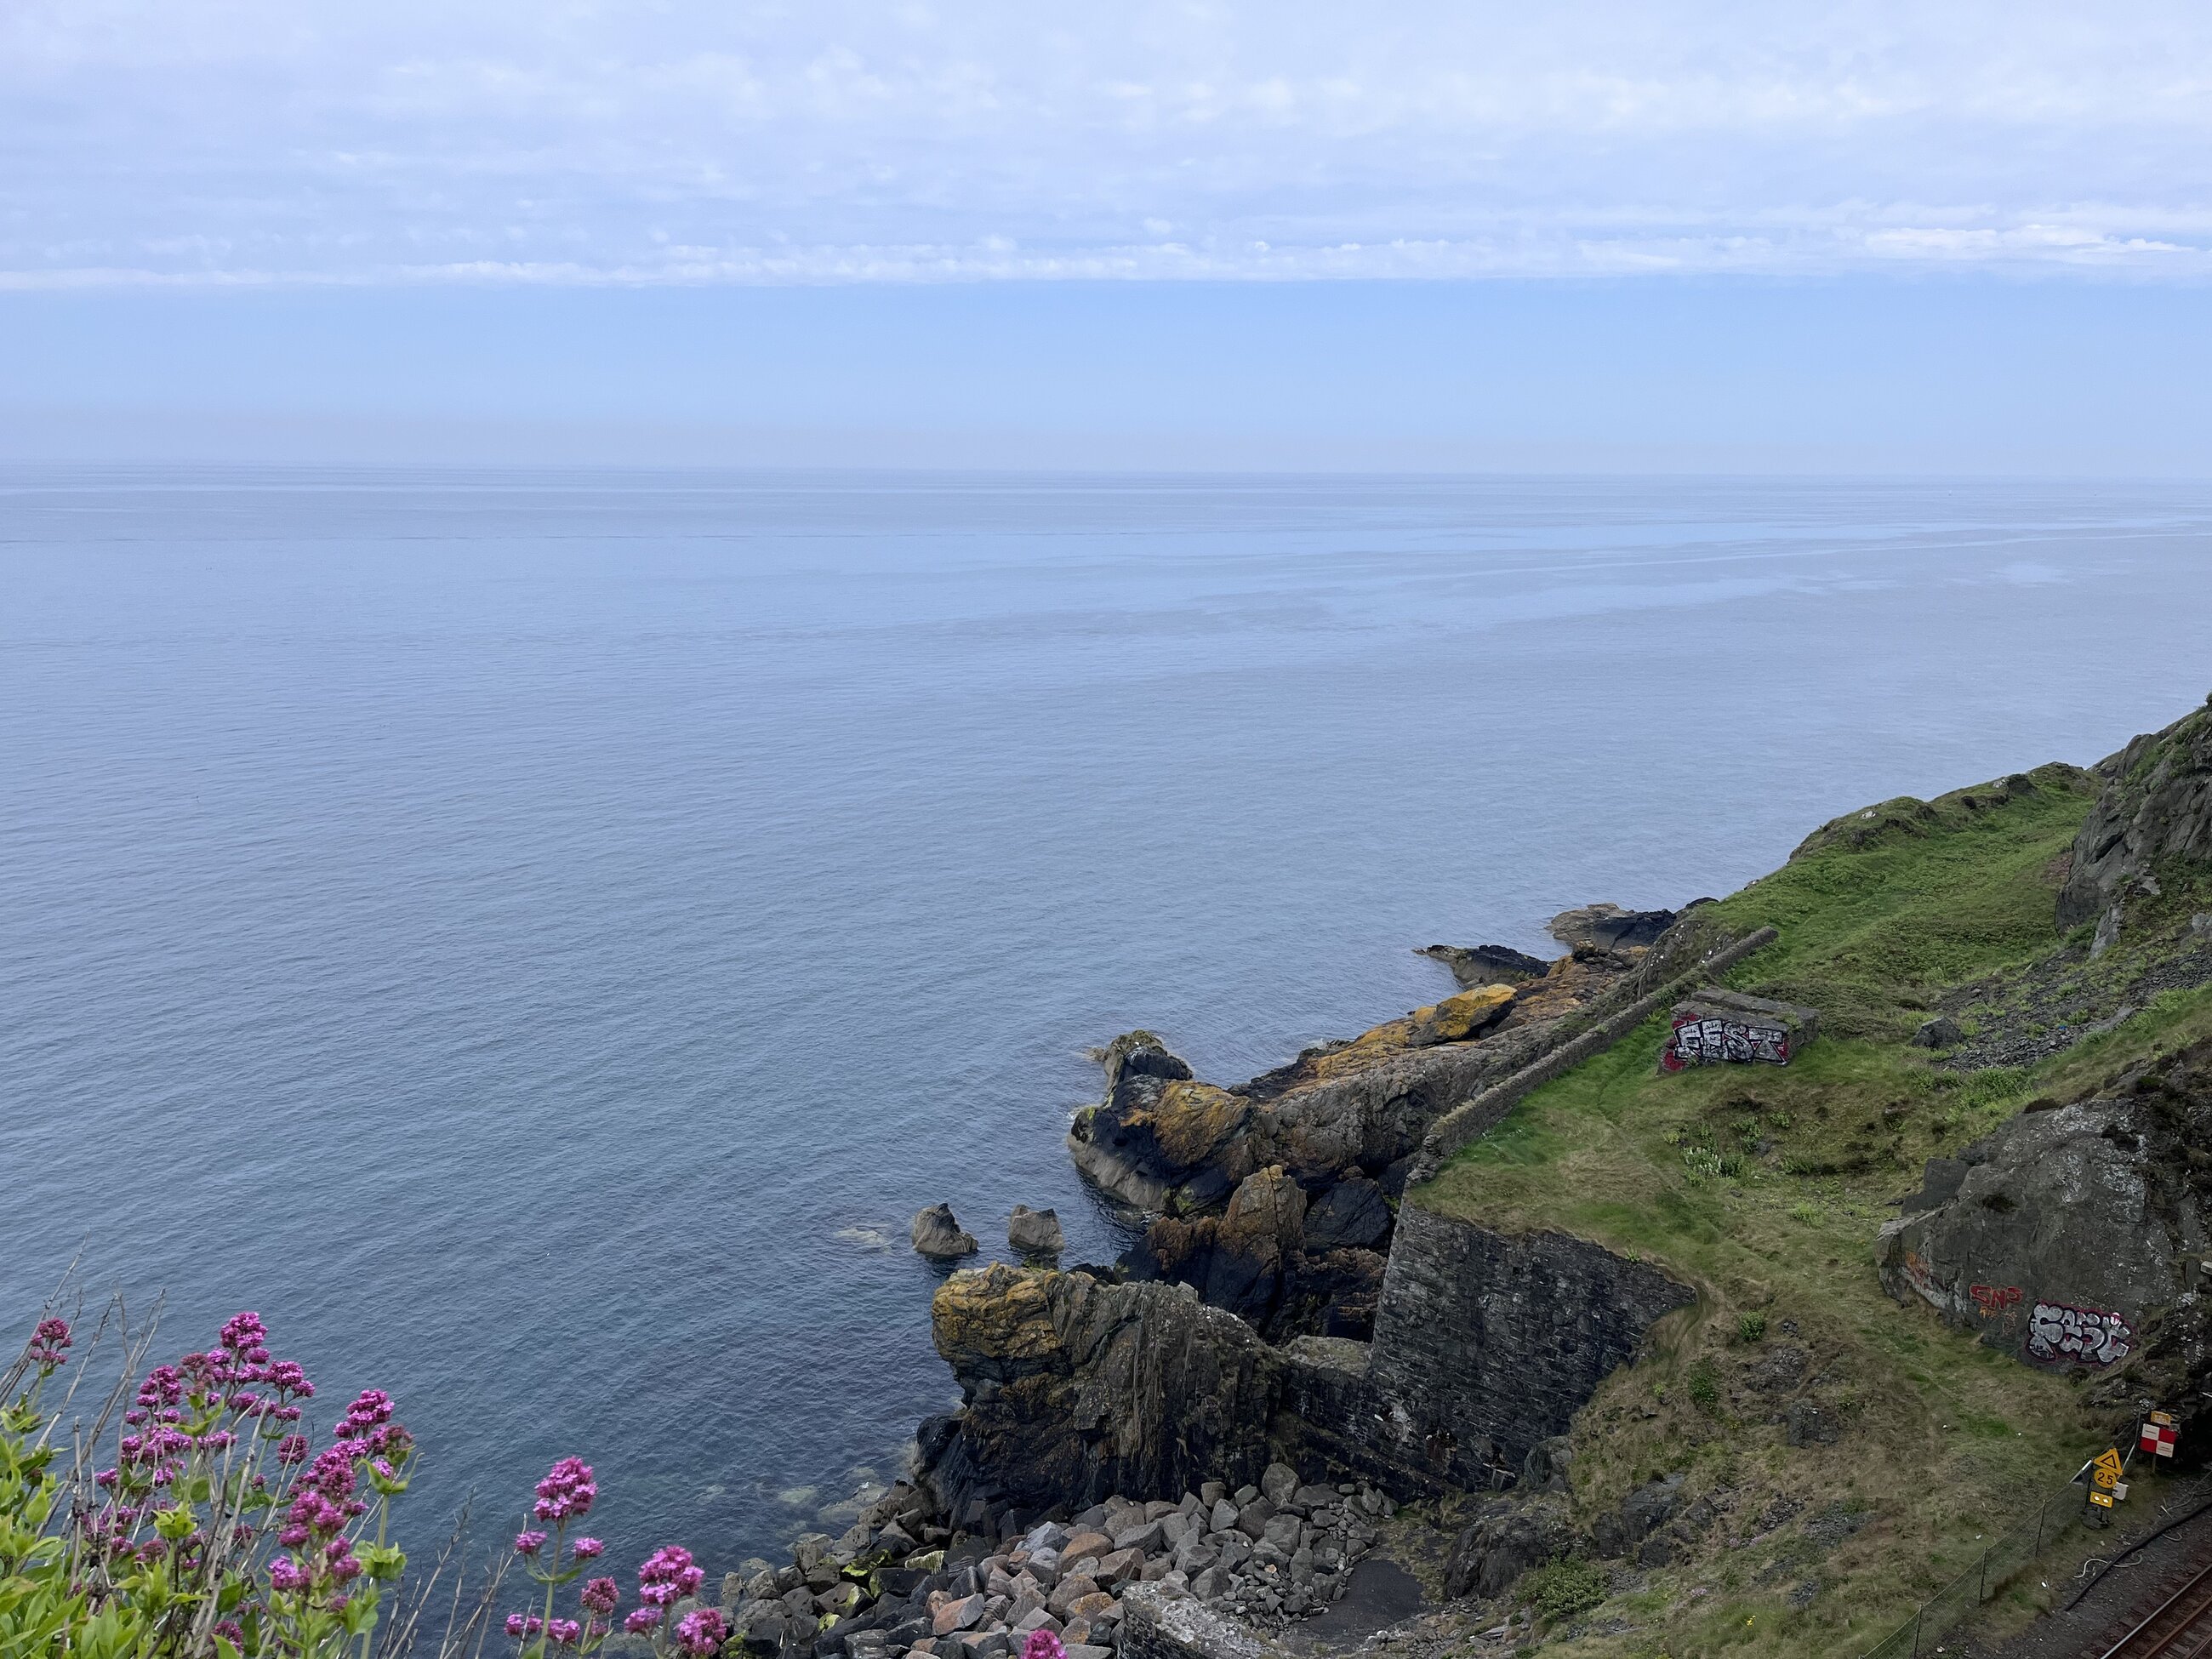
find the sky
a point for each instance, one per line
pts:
(1634, 234)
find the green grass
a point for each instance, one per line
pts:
(1764, 1186)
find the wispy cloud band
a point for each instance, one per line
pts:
(230, 142)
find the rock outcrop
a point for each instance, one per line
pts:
(1608, 927)
(1162, 1141)
(2065, 1235)
(1474, 965)
(938, 1236)
(2156, 809)
(1458, 1018)
(1074, 1389)
(1035, 1233)
(1510, 1537)
(1487, 1343)
(1484, 1346)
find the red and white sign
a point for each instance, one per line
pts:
(2159, 1438)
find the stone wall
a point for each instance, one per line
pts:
(1475, 1115)
(1487, 1343)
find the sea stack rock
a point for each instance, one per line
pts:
(1035, 1233)
(938, 1236)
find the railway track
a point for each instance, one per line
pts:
(2180, 1627)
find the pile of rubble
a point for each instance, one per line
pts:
(896, 1583)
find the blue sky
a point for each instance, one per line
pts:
(1597, 233)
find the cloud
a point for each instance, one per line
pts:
(697, 141)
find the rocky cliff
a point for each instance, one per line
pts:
(2156, 813)
(1484, 1346)
(1273, 1199)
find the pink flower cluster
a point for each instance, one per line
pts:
(566, 1493)
(598, 1596)
(700, 1632)
(326, 1496)
(1043, 1644)
(49, 1343)
(668, 1576)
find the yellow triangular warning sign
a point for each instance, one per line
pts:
(2107, 1465)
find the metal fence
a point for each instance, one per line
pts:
(2000, 1564)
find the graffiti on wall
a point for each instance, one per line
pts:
(2059, 1335)
(1710, 1041)
(1994, 1299)
(1921, 1275)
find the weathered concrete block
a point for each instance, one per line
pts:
(1715, 1026)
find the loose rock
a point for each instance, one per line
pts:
(938, 1236)
(1035, 1233)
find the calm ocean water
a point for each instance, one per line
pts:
(539, 938)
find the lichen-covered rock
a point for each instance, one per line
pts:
(938, 1236)
(1160, 1143)
(1163, 1142)
(1457, 1019)
(1157, 1623)
(2156, 809)
(1075, 1389)
(2054, 1237)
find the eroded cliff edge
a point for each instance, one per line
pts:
(1072, 1388)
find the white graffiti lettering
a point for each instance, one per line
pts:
(2057, 1334)
(1707, 1041)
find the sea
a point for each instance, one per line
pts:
(536, 938)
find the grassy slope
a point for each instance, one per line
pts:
(1945, 1440)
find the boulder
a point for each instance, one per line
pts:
(1462, 1018)
(1278, 1483)
(963, 1613)
(1145, 1537)
(1035, 1233)
(1117, 1568)
(938, 1236)
(1508, 1538)
(2055, 1237)
(1941, 1032)
(1082, 1547)
(1079, 1586)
